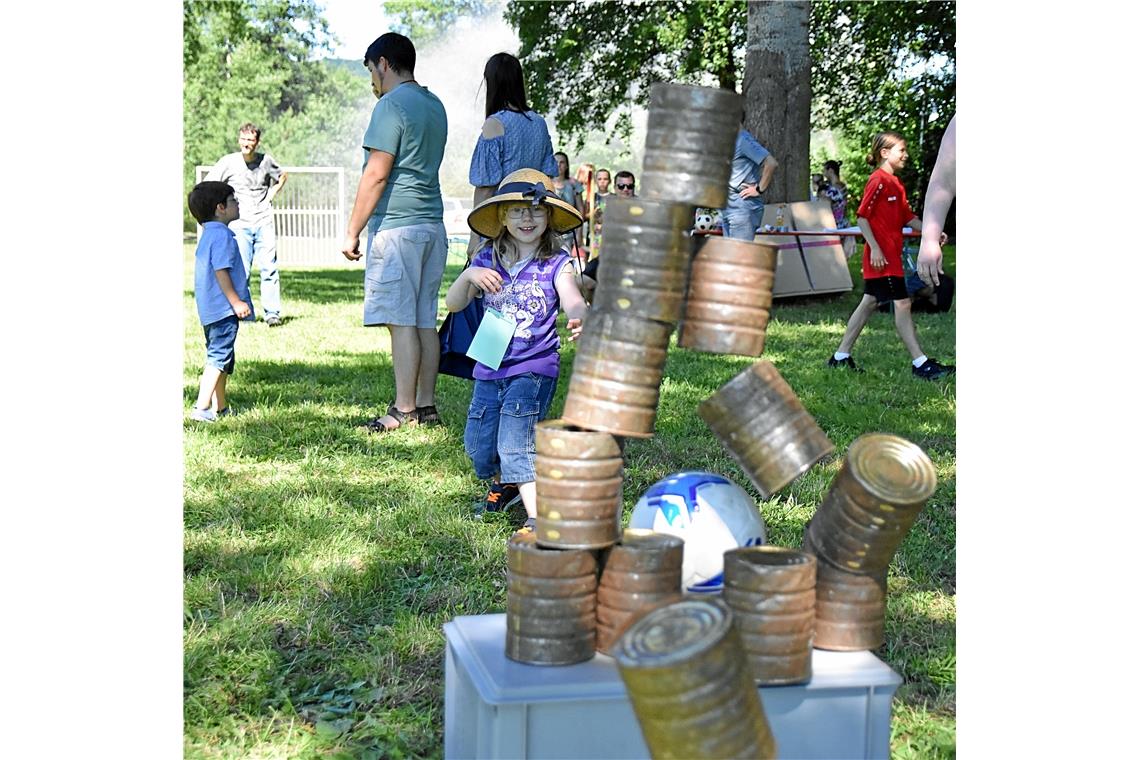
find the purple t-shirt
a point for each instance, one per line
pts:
(529, 297)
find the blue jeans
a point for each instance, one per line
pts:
(499, 436)
(221, 338)
(740, 222)
(258, 243)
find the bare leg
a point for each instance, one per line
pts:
(220, 393)
(206, 387)
(905, 327)
(405, 366)
(429, 366)
(856, 323)
(529, 494)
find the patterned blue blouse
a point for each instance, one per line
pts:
(524, 144)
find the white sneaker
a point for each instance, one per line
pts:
(203, 415)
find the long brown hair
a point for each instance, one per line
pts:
(883, 141)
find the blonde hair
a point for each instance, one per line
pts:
(883, 141)
(504, 246)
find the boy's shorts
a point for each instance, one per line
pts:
(885, 289)
(499, 436)
(402, 272)
(220, 339)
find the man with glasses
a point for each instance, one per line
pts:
(255, 178)
(624, 182)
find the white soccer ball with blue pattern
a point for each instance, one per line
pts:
(710, 513)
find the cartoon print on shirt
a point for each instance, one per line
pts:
(523, 301)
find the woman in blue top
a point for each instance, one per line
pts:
(514, 137)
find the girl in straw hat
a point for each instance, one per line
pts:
(523, 273)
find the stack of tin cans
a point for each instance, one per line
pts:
(872, 503)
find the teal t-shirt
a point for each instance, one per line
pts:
(410, 123)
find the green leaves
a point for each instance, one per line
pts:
(425, 21)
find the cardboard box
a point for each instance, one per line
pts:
(791, 272)
(824, 259)
(498, 708)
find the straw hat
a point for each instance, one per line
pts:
(524, 186)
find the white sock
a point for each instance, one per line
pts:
(919, 361)
(839, 356)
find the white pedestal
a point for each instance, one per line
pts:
(497, 708)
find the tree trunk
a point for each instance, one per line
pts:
(777, 92)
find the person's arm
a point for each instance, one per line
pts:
(572, 302)
(276, 187)
(468, 284)
(940, 193)
(767, 169)
(226, 283)
(368, 193)
(475, 242)
(878, 260)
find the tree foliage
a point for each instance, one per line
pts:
(252, 60)
(425, 21)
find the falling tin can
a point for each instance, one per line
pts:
(644, 266)
(771, 591)
(687, 677)
(761, 422)
(689, 144)
(578, 478)
(616, 381)
(551, 603)
(850, 609)
(730, 295)
(639, 574)
(874, 500)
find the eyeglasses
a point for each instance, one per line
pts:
(620, 186)
(535, 212)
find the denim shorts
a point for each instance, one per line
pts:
(220, 339)
(402, 272)
(499, 436)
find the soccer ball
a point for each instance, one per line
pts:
(704, 222)
(710, 513)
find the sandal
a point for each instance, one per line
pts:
(428, 415)
(403, 419)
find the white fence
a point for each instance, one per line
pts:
(309, 215)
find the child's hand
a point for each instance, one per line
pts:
(575, 327)
(241, 310)
(878, 261)
(487, 280)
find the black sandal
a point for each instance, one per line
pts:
(403, 419)
(428, 415)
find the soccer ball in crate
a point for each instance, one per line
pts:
(710, 513)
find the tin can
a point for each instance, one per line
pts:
(761, 422)
(551, 603)
(616, 382)
(874, 500)
(689, 144)
(644, 266)
(850, 609)
(771, 591)
(639, 574)
(687, 677)
(730, 295)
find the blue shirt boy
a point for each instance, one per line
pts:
(218, 249)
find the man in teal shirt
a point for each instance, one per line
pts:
(399, 200)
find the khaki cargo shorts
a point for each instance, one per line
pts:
(402, 272)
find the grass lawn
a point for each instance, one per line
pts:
(320, 562)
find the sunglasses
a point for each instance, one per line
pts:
(625, 187)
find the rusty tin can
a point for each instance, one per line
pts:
(771, 591)
(689, 144)
(644, 266)
(639, 574)
(551, 603)
(761, 422)
(730, 295)
(687, 677)
(616, 381)
(874, 500)
(850, 609)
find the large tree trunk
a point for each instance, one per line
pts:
(777, 92)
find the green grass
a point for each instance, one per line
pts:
(321, 562)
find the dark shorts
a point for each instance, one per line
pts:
(885, 289)
(591, 269)
(220, 339)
